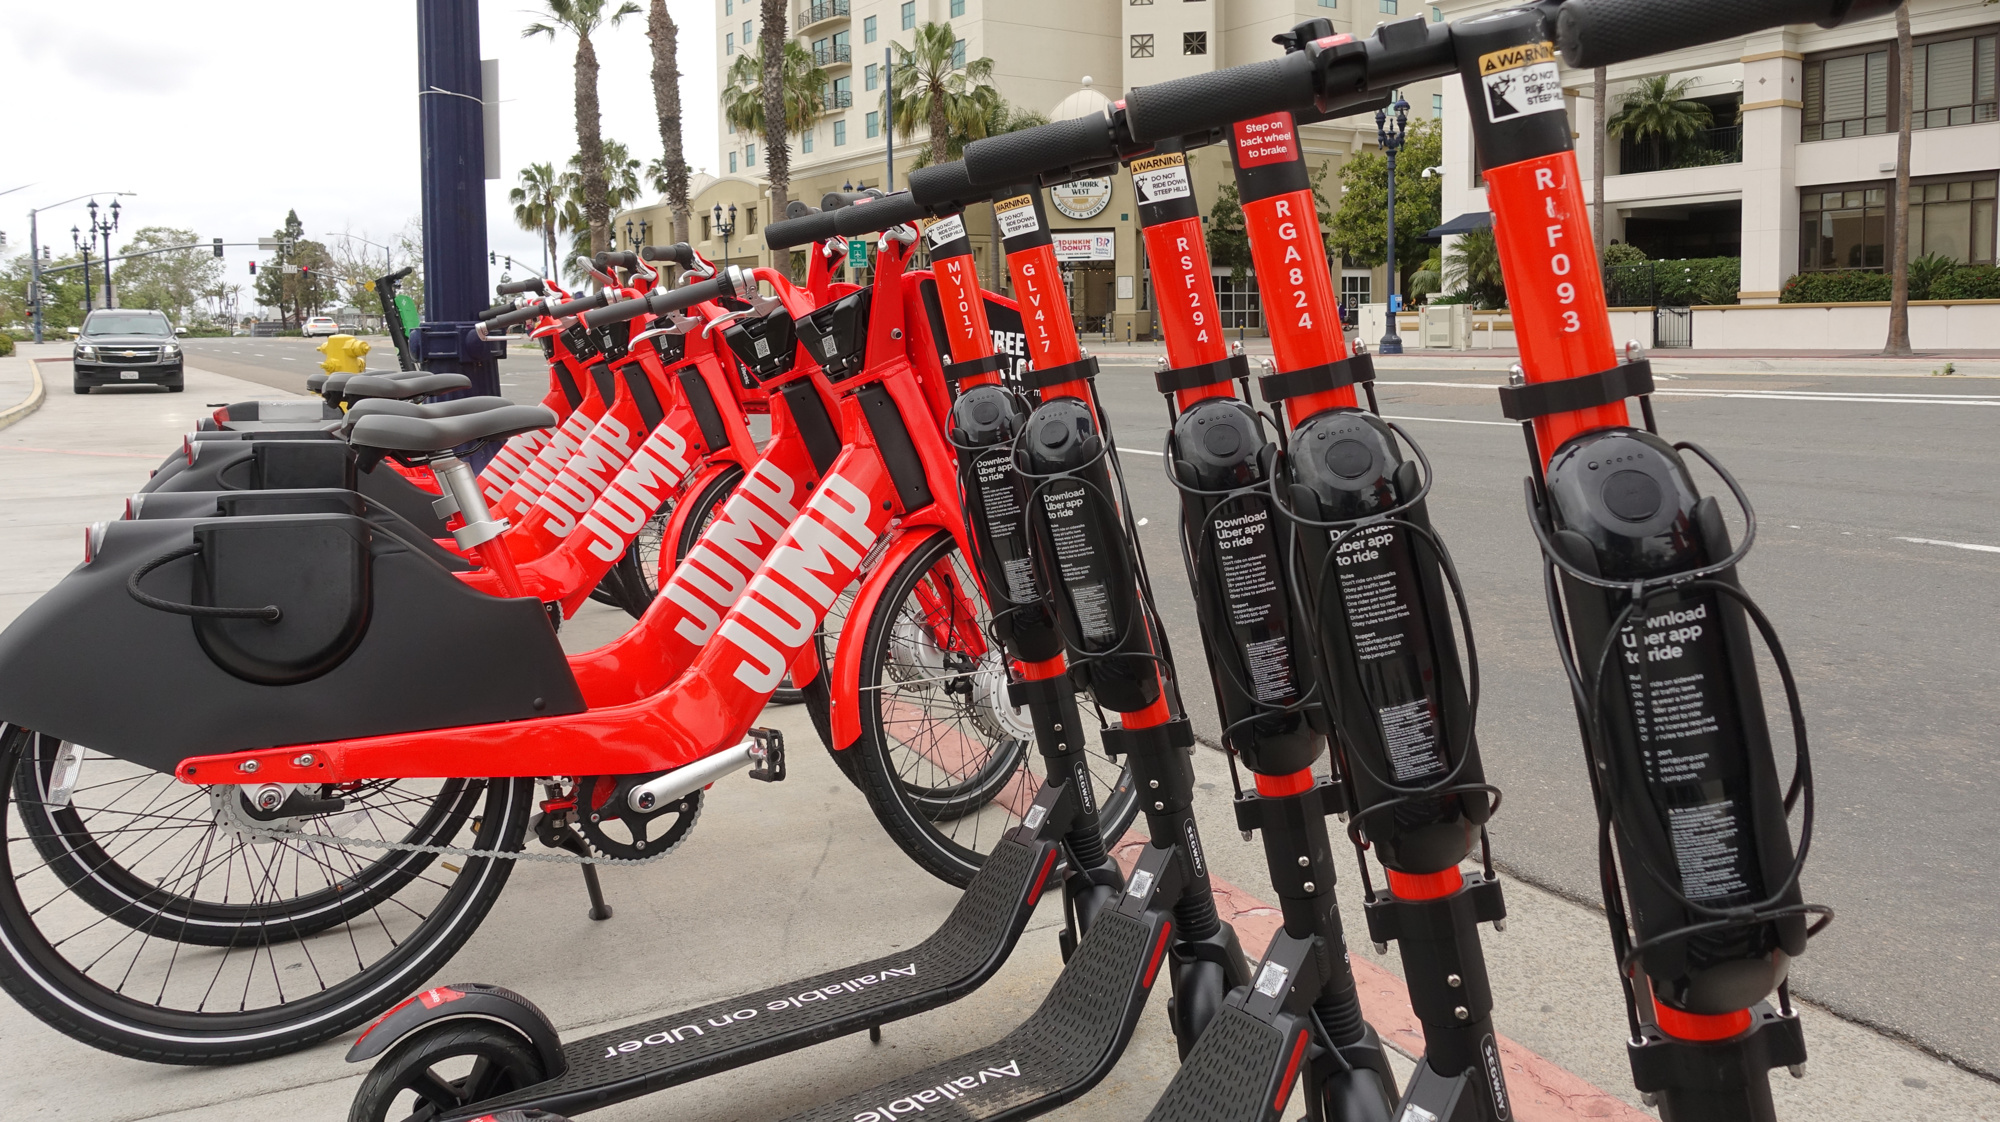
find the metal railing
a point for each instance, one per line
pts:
(836, 99)
(827, 9)
(1704, 149)
(838, 52)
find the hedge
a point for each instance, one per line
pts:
(6, 344)
(1835, 288)
(1698, 280)
(1968, 282)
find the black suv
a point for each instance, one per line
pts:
(125, 347)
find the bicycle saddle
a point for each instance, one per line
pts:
(435, 410)
(316, 382)
(391, 433)
(360, 386)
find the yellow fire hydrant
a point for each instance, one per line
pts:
(344, 354)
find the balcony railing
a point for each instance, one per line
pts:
(829, 9)
(836, 99)
(1704, 149)
(837, 53)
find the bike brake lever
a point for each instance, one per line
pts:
(760, 307)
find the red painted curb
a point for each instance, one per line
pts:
(1542, 1091)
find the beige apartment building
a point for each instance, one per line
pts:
(1062, 58)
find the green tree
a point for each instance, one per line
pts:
(772, 42)
(280, 286)
(537, 205)
(803, 87)
(1472, 268)
(621, 189)
(1359, 229)
(1658, 111)
(670, 172)
(174, 283)
(62, 293)
(582, 18)
(1229, 238)
(934, 88)
(1000, 117)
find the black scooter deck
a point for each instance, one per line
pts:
(1241, 1070)
(1056, 1055)
(969, 948)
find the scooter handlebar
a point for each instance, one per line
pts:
(515, 288)
(1593, 33)
(945, 185)
(1018, 157)
(814, 227)
(679, 253)
(887, 211)
(1196, 104)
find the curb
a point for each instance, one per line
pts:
(34, 399)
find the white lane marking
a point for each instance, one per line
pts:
(1856, 396)
(1453, 421)
(1954, 545)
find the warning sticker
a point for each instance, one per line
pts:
(944, 230)
(1157, 179)
(1016, 216)
(1520, 81)
(1265, 140)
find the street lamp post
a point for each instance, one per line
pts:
(102, 228)
(1390, 133)
(725, 228)
(77, 241)
(35, 294)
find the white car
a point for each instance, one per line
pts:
(319, 325)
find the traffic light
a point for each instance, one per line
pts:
(218, 247)
(253, 268)
(492, 258)
(305, 271)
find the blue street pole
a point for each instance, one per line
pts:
(452, 133)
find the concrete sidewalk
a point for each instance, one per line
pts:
(780, 881)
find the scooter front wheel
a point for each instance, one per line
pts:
(448, 1065)
(237, 938)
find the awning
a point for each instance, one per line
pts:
(1463, 224)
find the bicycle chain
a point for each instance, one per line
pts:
(467, 851)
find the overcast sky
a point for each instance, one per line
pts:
(224, 114)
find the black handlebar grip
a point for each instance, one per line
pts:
(679, 253)
(522, 314)
(1593, 33)
(834, 200)
(623, 258)
(728, 282)
(515, 288)
(582, 304)
(1202, 102)
(487, 313)
(1015, 157)
(814, 227)
(887, 211)
(614, 313)
(942, 185)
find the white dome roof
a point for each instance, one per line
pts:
(1082, 103)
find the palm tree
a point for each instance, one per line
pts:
(1001, 117)
(1899, 268)
(669, 174)
(537, 206)
(933, 88)
(621, 189)
(581, 18)
(802, 88)
(1654, 110)
(1472, 266)
(772, 41)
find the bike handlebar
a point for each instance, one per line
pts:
(1016, 157)
(814, 227)
(881, 214)
(484, 314)
(679, 253)
(522, 314)
(944, 186)
(1593, 33)
(623, 258)
(728, 282)
(515, 288)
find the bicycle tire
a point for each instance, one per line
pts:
(137, 1008)
(948, 828)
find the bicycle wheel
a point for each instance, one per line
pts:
(165, 922)
(943, 758)
(638, 569)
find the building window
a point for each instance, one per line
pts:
(1194, 42)
(749, 219)
(843, 91)
(1437, 15)
(871, 76)
(1842, 229)
(728, 7)
(1142, 46)
(1388, 7)
(1951, 83)
(868, 30)
(1329, 3)
(729, 43)
(732, 163)
(874, 125)
(839, 133)
(958, 54)
(746, 35)
(957, 8)
(1136, 3)
(749, 155)
(806, 142)
(822, 52)
(843, 47)
(1355, 291)
(1239, 304)
(1954, 219)
(1847, 96)
(909, 14)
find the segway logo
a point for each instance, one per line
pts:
(1496, 1082)
(950, 1091)
(792, 593)
(655, 469)
(708, 583)
(584, 477)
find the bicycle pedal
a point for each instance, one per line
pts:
(769, 749)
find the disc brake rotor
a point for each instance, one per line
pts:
(992, 714)
(615, 828)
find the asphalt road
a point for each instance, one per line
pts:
(284, 363)
(1861, 485)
